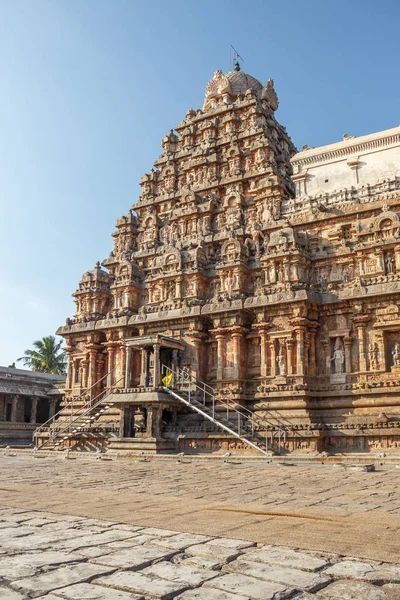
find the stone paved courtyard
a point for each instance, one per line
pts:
(187, 528)
(49, 556)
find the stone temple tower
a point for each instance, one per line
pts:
(220, 271)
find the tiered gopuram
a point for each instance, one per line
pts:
(274, 277)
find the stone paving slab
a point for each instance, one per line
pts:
(303, 580)
(133, 558)
(28, 564)
(287, 558)
(212, 551)
(376, 573)
(48, 582)
(349, 590)
(180, 541)
(210, 594)
(87, 591)
(193, 576)
(255, 588)
(148, 586)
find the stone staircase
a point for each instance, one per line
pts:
(74, 419)
(225, 413)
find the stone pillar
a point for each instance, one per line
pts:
(263, 353)
(220, 355)
(14, 409)
(237, 353)
(313, 364)
(272, 353)
(34, 403)
(110, 366)
(361, 347)
(156, 372)
(144, 374)
(91, 380)
(85, 373)
(347, 353)
(196, 341)
(52, 408)
(289, 356)
(300, 351)
(128, 362)
(153, 425)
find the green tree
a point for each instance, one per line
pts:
(46, 356)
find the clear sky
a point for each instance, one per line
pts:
(89, 87)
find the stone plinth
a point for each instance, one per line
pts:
(140, 446)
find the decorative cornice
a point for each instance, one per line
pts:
(348, 148)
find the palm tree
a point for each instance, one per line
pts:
(46, 357)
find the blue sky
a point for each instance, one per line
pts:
(89, 87)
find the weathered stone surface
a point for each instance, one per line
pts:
(94, 539)
(136, 558)
(7, 594)
(373, 572)
(88, 591)
(198, 561)
(302, 580)
(181, 541)
(153, 531)
(286, 557)
(392, 591)
(254, 588)
(210, 594)
(216, 552)
(141, 584)
(186, 573)
(61, 577)
(135, 540)
(26, 565)
(353, 590)
(229, 543)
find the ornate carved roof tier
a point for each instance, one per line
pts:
(231, 85)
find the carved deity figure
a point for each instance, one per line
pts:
(396, 354)
(229, 283)
(374, 354)
(389, 263)
(281, 361)
(338, 357)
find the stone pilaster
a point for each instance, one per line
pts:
(220, 337)
(128, 366)
(348, 341)
(272, 354)
(289, 356)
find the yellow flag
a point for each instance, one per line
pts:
(167, 380)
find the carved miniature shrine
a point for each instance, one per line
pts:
(281, 297)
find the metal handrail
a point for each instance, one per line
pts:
(183, 377)
(107, 392)
(222, 399)
(71, 403)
